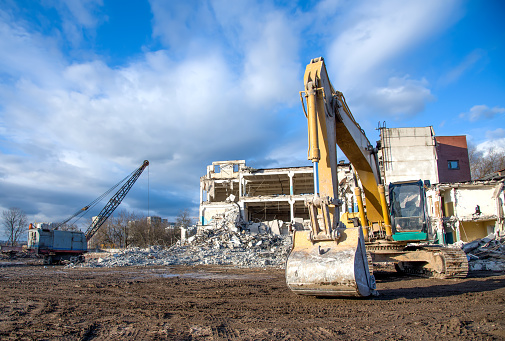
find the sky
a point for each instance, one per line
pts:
(89, 89)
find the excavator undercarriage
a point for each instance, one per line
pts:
(427, 261)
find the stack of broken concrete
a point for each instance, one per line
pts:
(486, 254)
(222, 243)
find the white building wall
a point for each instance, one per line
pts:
(409, 154)
(467, 199)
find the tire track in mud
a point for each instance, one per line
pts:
(224, 304)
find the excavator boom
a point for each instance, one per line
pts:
(328, 260)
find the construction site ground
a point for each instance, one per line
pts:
(222, 303)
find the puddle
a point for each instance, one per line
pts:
(9, 264)
(167, 275)
(210, 275)
(162, 273)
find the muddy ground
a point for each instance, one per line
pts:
(212, 303)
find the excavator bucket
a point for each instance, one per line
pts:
(330, 268)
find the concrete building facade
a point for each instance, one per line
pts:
(407, 154)
(264, 194)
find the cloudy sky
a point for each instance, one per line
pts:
(91, 88)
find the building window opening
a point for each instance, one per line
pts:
(217, 169)
(235, 168)
(453, 164)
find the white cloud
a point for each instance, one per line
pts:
(183, 25)
(270, 71)
(497, 145)
(31, 55)
(369, 42)
(482, 112)
(380, 33)
(327, 8)
(79, 127)
(402, 97)
(495, 140)
(77, 16)
(495, 134)
(83, 11)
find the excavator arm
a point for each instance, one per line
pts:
(330, 259)
(331, 122)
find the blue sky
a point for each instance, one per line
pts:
(90, 88)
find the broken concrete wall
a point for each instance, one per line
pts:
(464, 201)
(466, 211)
(209, 211)
(274, 227)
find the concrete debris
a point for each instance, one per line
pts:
(222, 243)
(229, 220)
(487, 253)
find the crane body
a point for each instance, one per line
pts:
(56, 246)
(334, 258)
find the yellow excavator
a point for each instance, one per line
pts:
(335, 257)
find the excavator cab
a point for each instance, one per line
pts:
(408, 216)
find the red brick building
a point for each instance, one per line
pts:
(453, 162)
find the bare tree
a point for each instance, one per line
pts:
(128, 229)
(139, 232)
(14, 224)
(183, 219)
(484, 163)
(121, 228)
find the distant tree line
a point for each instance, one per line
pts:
(129, 229)
(122, 230)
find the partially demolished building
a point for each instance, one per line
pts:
(458, 209)
(264, 195)
(466, 211)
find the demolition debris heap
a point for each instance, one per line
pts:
(222, 243)
(486, 254)
(228, 241)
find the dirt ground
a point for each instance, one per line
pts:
(212, 303)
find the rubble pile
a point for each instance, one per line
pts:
(221, 243)
(486, 254)
(229, 220)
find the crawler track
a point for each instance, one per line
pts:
(455, 264)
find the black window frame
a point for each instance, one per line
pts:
(449, 163)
